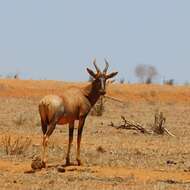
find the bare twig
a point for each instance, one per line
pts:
(158, 126)
(169, 133)
(131, 125)
(115, 99)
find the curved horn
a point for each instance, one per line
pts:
(97, 69)
(107, 65)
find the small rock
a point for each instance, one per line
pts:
(51, 182)
(187, 169)
(37, 163)
(170, 162)
(61, 169)
(100, 149)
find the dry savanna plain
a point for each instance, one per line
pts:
(112, 158)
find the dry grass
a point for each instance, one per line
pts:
(113, 159)
(15, 146)
(20, 119)
(99, 108)
(133, 93)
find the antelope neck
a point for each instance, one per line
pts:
(91, 93)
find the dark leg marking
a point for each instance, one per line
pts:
(79, 136)
(71, 129)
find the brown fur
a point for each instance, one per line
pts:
(74, 104)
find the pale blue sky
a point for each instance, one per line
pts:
(59, 39)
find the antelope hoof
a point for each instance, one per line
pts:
(79, 162)
(44, 165)
(68, 163)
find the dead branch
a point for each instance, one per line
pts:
(115, 99)
(131, 125)
(158, 126)
(169, 133)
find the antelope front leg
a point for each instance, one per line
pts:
(71, 128)
(79, 136)
(44, 144)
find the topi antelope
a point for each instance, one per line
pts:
(74, 104)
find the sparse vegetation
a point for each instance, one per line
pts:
(100, 149)
(158, 127)
(15, 146)
(112, 159)
(122, 80)
(20, 119)
(186, 83)
(146, 73)
(169, 82)
(99, 107)
(13, 76)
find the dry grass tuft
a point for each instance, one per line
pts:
(20, 120)
(99, 107)
(100, 149)
(17, 146)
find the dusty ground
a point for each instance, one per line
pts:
(112, 158)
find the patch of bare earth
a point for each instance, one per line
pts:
(112, 158)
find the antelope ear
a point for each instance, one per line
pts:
(111, 75)
(91, 73)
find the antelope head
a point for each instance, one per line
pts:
(100, 77)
